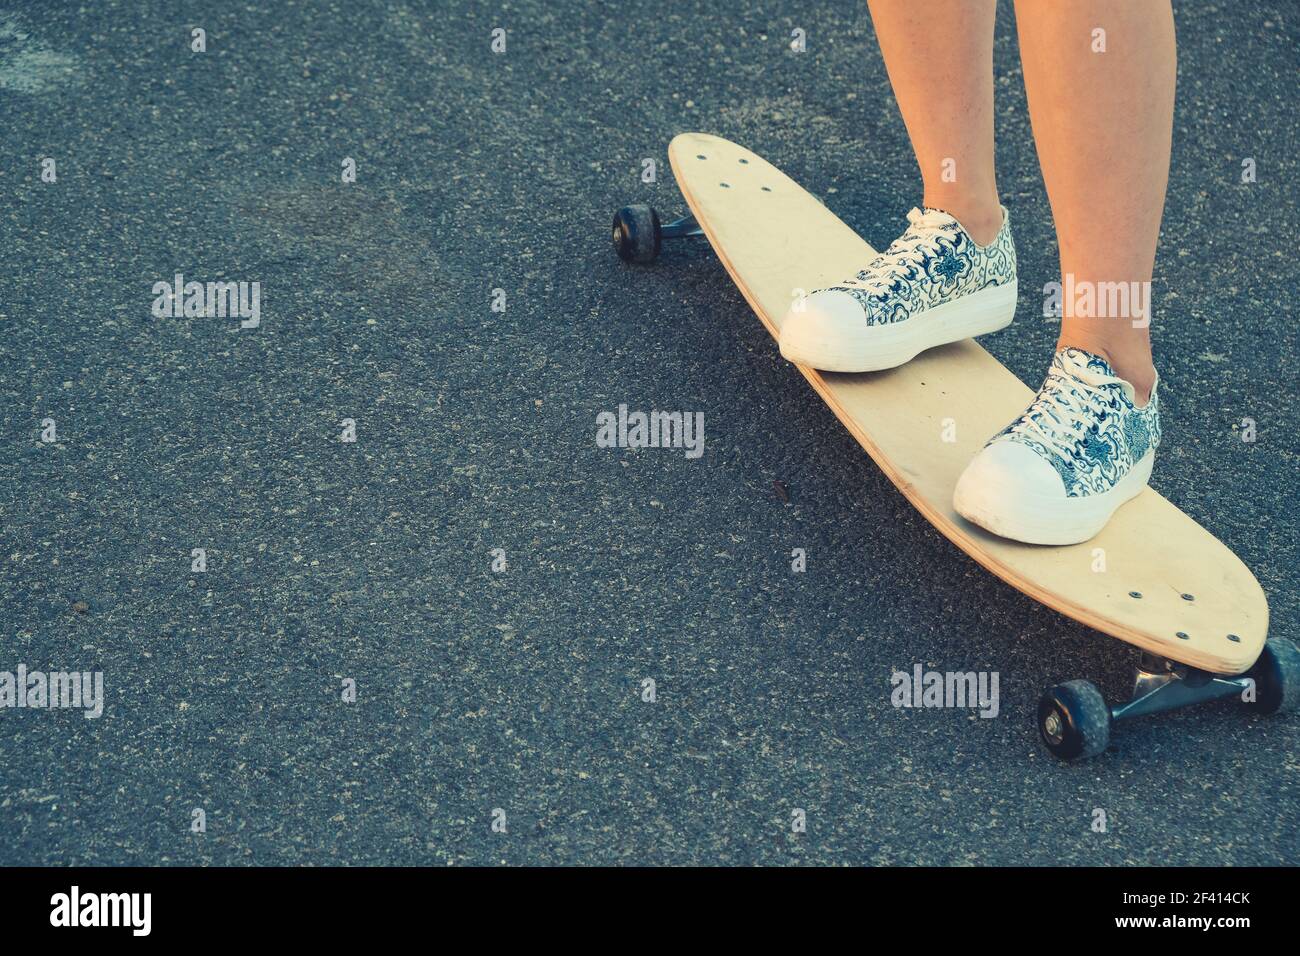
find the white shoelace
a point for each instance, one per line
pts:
(908, 249)
(1060, 401)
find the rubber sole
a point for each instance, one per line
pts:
(871, 348)
(1053, 520)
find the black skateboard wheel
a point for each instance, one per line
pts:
(1074, 720)
(637, 236)
(1277, 677)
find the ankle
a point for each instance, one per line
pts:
(1141, 377)
(1133, 365)
(981, 217)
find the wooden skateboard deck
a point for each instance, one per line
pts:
(1169, 586)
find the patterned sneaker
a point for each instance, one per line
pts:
(1058, 472)
(933, 285)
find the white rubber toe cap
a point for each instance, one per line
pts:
(821, 329)
(1010, 490)
(1007, 470)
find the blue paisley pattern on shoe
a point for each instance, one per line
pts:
(931, 263)
(1085, 424)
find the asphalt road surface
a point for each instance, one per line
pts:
(516, 696)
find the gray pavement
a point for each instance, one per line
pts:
(371, 560)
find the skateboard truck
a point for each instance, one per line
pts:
(638, 233)
(1075, 720)
(1160, 684)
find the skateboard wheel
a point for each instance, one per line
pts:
(1277, 677)
(636, 233)
(1074, 720)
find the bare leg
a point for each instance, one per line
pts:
(940, 60)
(1102, 122)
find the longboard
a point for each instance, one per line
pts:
(1168, 586)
